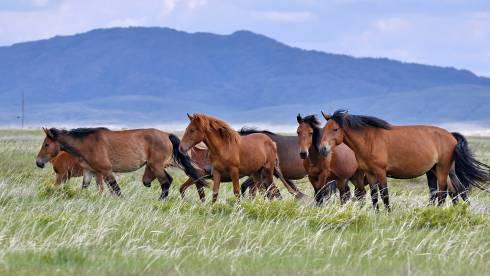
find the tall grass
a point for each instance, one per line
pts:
(66, 230)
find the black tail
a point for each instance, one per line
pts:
(470, 172)
(184, 160)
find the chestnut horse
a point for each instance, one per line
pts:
(104, 152)
(232, 155)
(290, 163)
(199, 156)
(67, 166)
(338, 167)
(385, 150)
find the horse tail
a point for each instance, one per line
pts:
(469, 171)
(184, 161)
(290, 186)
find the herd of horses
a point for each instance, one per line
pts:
(364, 150)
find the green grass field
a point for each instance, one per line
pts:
(46, 230)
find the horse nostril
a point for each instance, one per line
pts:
(324, 151)
(40, 164)
(303, 155)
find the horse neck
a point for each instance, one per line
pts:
(356, 140)
(70, 144)
(215, 144)
(313, 152)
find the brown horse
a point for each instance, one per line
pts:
(338, 167)
(384, 150)
(67, 166)
(232, 155)
(290, 163)
(200, 159)
(104, 152)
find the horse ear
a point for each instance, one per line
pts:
(299, 119)
(50, 133)
(190, 116)
(326, 116)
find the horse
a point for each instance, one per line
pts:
(290, 163)
(337, 167)
(104, 152)
(67, 166)
(385, 150)
(199, 156)
(232, 155)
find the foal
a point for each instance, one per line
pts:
(67, 166)
(104, 152)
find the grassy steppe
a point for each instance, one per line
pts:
(46, 230)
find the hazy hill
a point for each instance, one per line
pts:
(153, 76)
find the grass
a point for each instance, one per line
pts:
(46, 230)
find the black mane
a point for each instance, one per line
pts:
(250, 130)
(344, 119)
(312, 120)
(78, 132)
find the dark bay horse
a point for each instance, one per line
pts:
(232, 155)
(104, 152)
(337, 167)
(385, 150)
(67, 166)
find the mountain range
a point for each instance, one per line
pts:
(142, 76)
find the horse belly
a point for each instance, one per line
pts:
(127, 162)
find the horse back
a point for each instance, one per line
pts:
(257, 150)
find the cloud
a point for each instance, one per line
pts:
(390, 25)
(286, 16)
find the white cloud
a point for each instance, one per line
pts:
(286, 16)
(168, 6)
(194, 4)
(391, 25)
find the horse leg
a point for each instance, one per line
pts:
(87, 178)
(383, 190)
(165, 181)
(432, 182)
(148, 177)
(343, 190)
(235, 178)
(216, 184)
(358, 180)
(442, 174)
(374, 190)
(112, 183)
(272, 190)
(245, 185)
(184, 186)
(99, 182)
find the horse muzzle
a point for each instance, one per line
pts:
(325, 150)
(303, 155)
(40, 163)
(183, 149)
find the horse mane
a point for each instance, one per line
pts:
(313, 122)
(79, 133)
(342, 118)
(224, 130)
(251, 130)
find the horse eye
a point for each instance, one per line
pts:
(46, 145)
(335, 129)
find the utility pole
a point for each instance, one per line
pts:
(22, 111)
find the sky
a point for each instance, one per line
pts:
(438, 32)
